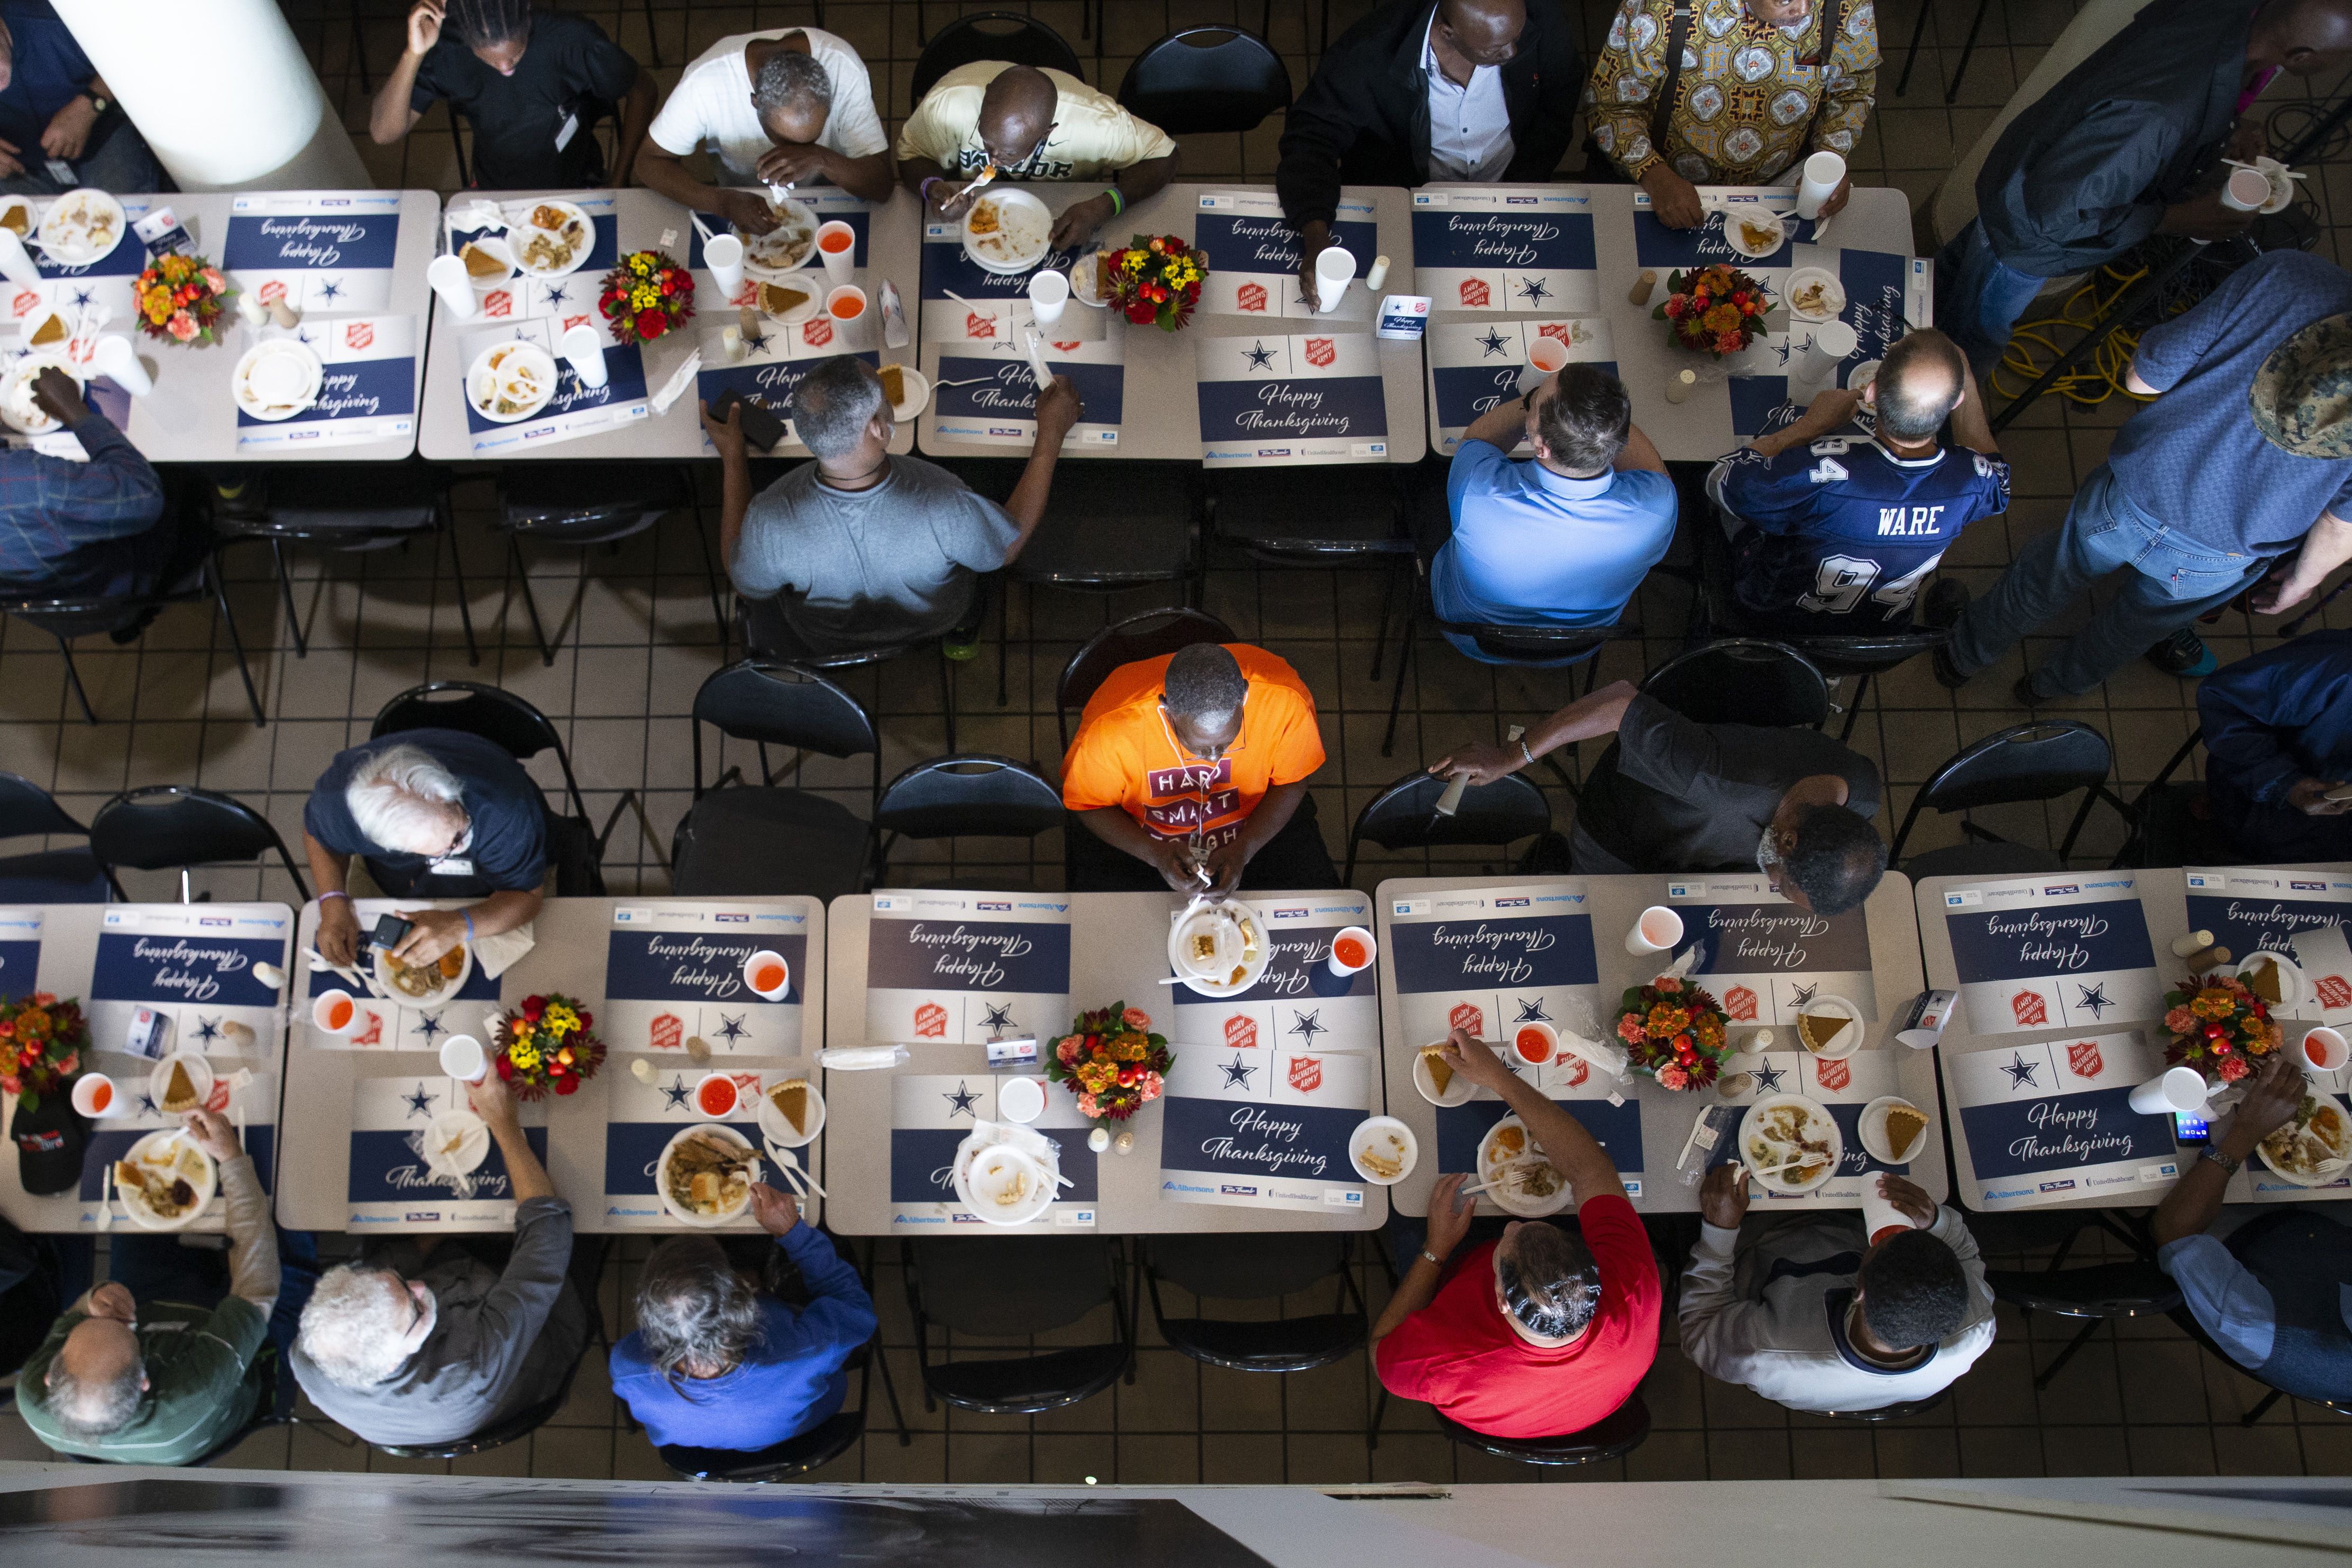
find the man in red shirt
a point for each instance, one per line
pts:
(1541, 1333)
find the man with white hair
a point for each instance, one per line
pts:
(402, 1348)
(789, 106)
(435, 813)
(139, 1370)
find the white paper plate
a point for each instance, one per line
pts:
(1508, 1198)
(308, 374)
(480, 384)
(136, 1208)
(1373, 1132)
(65, 231)
(18, 410)
(1007, 1157)
(1458, 1089)
(1847, 1041)
(444, 995)
(1019, 215)
(1084, 267)
(918, 388)
(1818, 1121)
(200, 1074)
(1251, 970)
(2293, 989)
(677, 1210)
(778, 1130)
(1833, 297)
(1733, 217)
(1871, 1128)
(2300, 1180)
(493, 245)
(519, 235)
(472, 1135)
(772, 256)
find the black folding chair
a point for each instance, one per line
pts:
(1901, 1410)
(1613, 1437)
(1404, 816)
(769, 637)
(1743, 680)
(1533, 646)
(1108, 527)
(970, 795)
(768, 840)
(991, 35)
(1318, 517)
(2172, 824)
(2038, 760)
(85, 615)
(507, 720)
(583, 505)
(1000, 1287)
(1255, 1269)
(171, 826)
(1146, 635)
(45, 876)
(2133, 1288)
(1206, 79)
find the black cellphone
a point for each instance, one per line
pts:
(389, 929)
(2189, 1129)
(761, 428)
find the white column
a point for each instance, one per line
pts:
(227, 101)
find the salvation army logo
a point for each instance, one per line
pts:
(817, 332)
(373, 1033)
(272, 292)
(1578, 1070)
(24, 302)
(1241, 1033)
(668, 1033)
(1467, 1016)
(2032, 1011)
(931, 1021)
(359, 334)
(1321, 352)
(1739, 1002)
(1306, 1073)
(2083, 1056)
(498, 302)
(1250, 297)
(1832, 1075)
(1558, 330)
(976, 325)
(571, 321)
(2333, 991)
(1475, 293)
(1069, 348)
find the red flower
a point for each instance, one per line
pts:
(1675, 308)
(651, 323)
(567, 1084)
(506, 1068)
(532, 1007)
(587, 1018)
(1141, 312)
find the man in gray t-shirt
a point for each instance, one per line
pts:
(860, 548)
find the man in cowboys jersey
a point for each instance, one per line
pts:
(1834, 528)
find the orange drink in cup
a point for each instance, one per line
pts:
(846, 303)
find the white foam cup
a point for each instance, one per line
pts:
(16, 264)
(86, 1087)
(2246, 190)
(1822, 174)
(2174, 1089)
(583, 351)
(450, 285)
(118, 359)
(1546, 357)
(462, 1057)
(1371, 950)
(1880, 1218)
(723, 254)
(1049, 296)
(322, 1010)
(2325, 1050)
(1021, 1100)
(838, 264)
(1335, 268)
(1832, 341)
(1658, 930)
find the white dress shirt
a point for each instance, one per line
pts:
(1469, 127)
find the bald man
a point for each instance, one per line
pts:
(1428, 89)
(2127, 146)
(1031, 124)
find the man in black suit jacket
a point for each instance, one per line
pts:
(1365, 119)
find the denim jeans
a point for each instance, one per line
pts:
(116, 160)
(1978, 300)
(2172, 581)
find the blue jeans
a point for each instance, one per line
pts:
(1978, 300)
(116, 160)
(2172, 580)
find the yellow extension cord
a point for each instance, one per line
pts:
(2103, 376)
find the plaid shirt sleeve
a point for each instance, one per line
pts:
(52, 508)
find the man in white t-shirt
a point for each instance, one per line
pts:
(788, 107)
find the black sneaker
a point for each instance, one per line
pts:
(1944, 603)
(1948, 674)
(2183, 654)
(2026, 698)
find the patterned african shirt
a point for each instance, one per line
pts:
(1748, 97)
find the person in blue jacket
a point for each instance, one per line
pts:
(2278, 738)
(716, 1363)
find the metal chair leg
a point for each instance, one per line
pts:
(73, 677)
(457, 574)
(1911, 55)
(709, 564)
(516, 569)
(2058, 1362)
(1388, 599)
(1968, 48)
(1853, 706)
(1404, 666)
(286, 593)
(2260, 1409)
(653, 37)
(245, 672)
(947, 694)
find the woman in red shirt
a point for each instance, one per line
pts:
(1539, 1334)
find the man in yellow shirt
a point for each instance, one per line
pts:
(1032, 124)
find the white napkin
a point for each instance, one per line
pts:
(856, 1058)
(498, 954)
(680, 379)
(476, 214)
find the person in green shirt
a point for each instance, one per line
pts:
(159, 1382)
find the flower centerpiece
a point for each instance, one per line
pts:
(648, 295)
(1715, 309)
(1156, 281)
(180, 299)
(548, 1043)
(1673, 1031)
(1112, 1061)
(41, 1042)
(2219, 1025)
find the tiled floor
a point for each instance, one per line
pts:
(638, 638)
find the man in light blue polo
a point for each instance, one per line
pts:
(1564, 538)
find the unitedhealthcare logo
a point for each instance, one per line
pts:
(732, 919)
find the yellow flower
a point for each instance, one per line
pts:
(524, 1057)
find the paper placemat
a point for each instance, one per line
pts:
(1253, 258)
(368, 392)
(1505, 250)
(1488, 960)
(2052, 1122)
(1297, 1003)
(1264, 1129)
(2052, 953)
(930, 1116)
(388, 1182)
(1312, 397)
(989, 392)
(966, 968)
(194, 963)
(1475, 365)
(1764, 959)
(318, 252)
(676, 973)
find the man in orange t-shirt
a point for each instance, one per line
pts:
(1199, 759)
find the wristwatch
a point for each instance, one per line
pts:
(1433, 1257)
(100, 104)
(2213, 1152)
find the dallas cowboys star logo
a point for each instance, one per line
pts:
(960, 1102)
(2021, 1071)
(1494, 342)
(1260, 356)
(2095, 998)
(420, 1103)
(207, 1029)
(83, 298)
(674, 1097)
(1307, 1027)
(430, 1025)
(730, 1029)
(1782, 350)
(556, 293)
(1237, 1072)
(147, 1105)
(1768, 1080)
(1803, 995)
(1532, 289)
(330, 289)
(1531, 1011)
(997, 1017)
